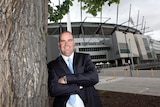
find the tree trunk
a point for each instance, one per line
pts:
(23, 71)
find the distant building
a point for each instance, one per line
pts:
(155, 47)
(112, 44)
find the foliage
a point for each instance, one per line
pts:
(91, 7)
(60, 11)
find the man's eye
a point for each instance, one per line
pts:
(70, 40)
(62, 41)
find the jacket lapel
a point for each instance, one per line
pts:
(63, 65)
(75, 64)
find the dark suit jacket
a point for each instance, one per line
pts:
(84, 75)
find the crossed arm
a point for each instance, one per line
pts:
(71, 83)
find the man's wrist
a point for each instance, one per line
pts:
(65, 79)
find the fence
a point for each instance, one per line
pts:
(126, 71)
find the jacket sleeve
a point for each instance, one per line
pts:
(86, 74)
(57, 89)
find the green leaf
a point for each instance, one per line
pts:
(91, 7)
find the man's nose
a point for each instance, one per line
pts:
(66, 42)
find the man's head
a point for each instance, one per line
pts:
(66, 43)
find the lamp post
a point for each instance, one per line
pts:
(127, 51)
(131, 54)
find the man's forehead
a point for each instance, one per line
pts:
(66, 36)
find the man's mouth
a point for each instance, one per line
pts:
(66, 47)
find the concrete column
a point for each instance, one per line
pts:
(123, 61)
(116, 62)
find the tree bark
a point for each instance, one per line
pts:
(23, 71)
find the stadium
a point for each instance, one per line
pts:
(108, 44)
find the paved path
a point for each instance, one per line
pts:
(137, 85)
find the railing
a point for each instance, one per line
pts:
(153, 65)
(127, 72)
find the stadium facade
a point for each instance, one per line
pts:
(111, 44)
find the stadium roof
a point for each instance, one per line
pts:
(89, 28)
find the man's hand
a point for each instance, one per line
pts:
(62, 80)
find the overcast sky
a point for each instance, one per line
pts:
(148, 9)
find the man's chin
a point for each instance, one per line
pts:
(67, 53)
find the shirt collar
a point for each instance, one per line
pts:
(66, 58)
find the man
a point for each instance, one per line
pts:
(72, 89)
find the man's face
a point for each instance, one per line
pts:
(66, 43)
